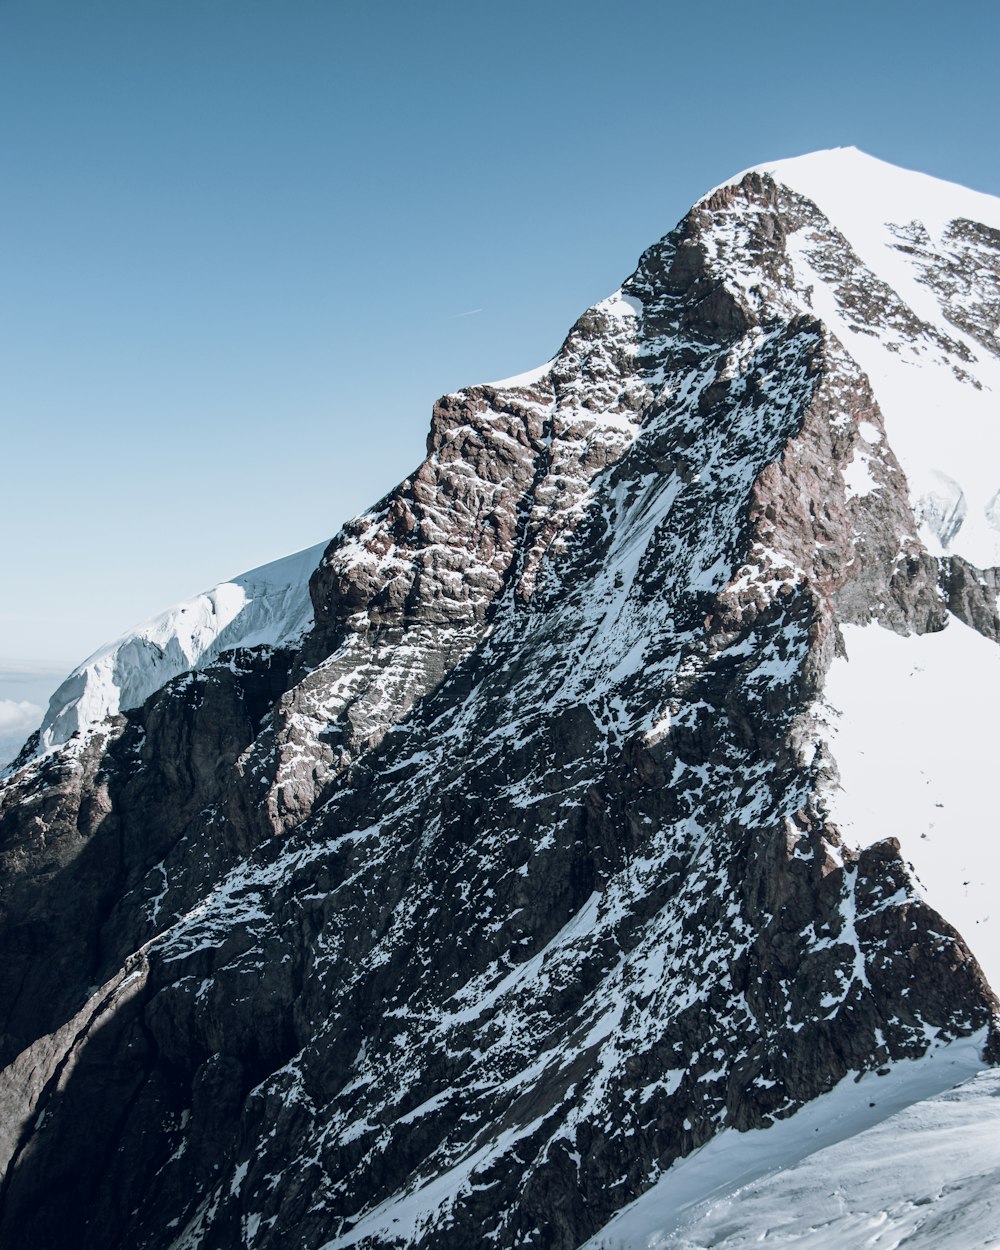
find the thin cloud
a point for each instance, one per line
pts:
(19, 718)
(471, 313)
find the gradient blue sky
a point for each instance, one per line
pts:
(246, 243)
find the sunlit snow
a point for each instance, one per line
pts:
(528, 378)
(913, 724)
(269, 606)
(942, 427)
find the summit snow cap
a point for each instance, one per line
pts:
(850, 186)
(918, 312)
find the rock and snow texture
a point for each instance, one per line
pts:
(267, 607)
(930, 252)
(525, 849)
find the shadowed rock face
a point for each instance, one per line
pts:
(455, 925)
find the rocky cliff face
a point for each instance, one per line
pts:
(455, 914)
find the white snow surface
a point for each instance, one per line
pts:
(925, 1176)
(944, 429)
(528, 378)
(881, 1161)
(266, 607)
(859, 192)
(912, 723)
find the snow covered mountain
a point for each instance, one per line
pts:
(267, 607)
(496, 868)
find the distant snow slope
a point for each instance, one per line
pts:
(882, 1161)
(269, 606)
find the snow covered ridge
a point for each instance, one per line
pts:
(922, 330)
(266, 607)
(860, 193)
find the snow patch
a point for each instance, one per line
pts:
(870, 433)
(619, 305)
(528, 378)
(858, 478)
(912, 730)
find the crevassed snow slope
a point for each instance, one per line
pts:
(944, 428)
(913, 730)
(926, 1178)
(891, 1154)
(268, 606)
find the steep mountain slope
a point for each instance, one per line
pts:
(457, 907)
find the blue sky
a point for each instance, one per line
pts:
(247, 243)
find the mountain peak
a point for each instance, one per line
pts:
(852, 186)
